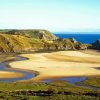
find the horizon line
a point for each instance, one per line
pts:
(49, 30)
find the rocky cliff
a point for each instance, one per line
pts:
(96, 45)
(17, 43)
(65, 44)
(24, 40)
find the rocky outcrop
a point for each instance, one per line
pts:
(24, 40)
(96, 45)
(73, 40)
(64, 44)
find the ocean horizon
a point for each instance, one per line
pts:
(83, 37)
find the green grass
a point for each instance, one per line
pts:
(17, 43)
(54, 97)
(56, 86)
(22, 86)
(8, 91)
(93, 81)
(30, 33)
(64, 97)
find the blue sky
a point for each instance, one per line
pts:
(54, 15)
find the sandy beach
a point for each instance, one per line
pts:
(7, 74)
(60, 64)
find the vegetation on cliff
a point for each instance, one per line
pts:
(38, 34)
(25, 40)
(16, 43)
(65, 44)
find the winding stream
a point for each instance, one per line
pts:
(71, 80)
(78, 81)
(28, 75)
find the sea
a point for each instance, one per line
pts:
(83, 37)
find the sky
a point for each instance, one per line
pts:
(53, 15)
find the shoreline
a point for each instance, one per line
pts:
(58, 77)
(17, 73)
(10, 75)
(40, 77)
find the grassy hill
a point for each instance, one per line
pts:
(17, 43)
(24, 40)
(38, 34)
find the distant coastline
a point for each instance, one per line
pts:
(83, 37)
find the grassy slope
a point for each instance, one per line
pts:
(10, 43)
(9, 90)
(31, 33)
(19, 40)
(55, 86)
(93, 82)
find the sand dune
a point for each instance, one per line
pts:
(48, 66)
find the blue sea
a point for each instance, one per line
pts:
(83, 37)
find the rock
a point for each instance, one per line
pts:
(73, 40)
(98, 41)
(96, 45)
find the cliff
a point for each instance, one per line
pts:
(65, 44)
(25, 40)
(17, 43)
(96, 45)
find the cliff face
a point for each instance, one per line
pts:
(64, 44)
(24, 40)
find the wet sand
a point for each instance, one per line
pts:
(60, 64)
(7, 74)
